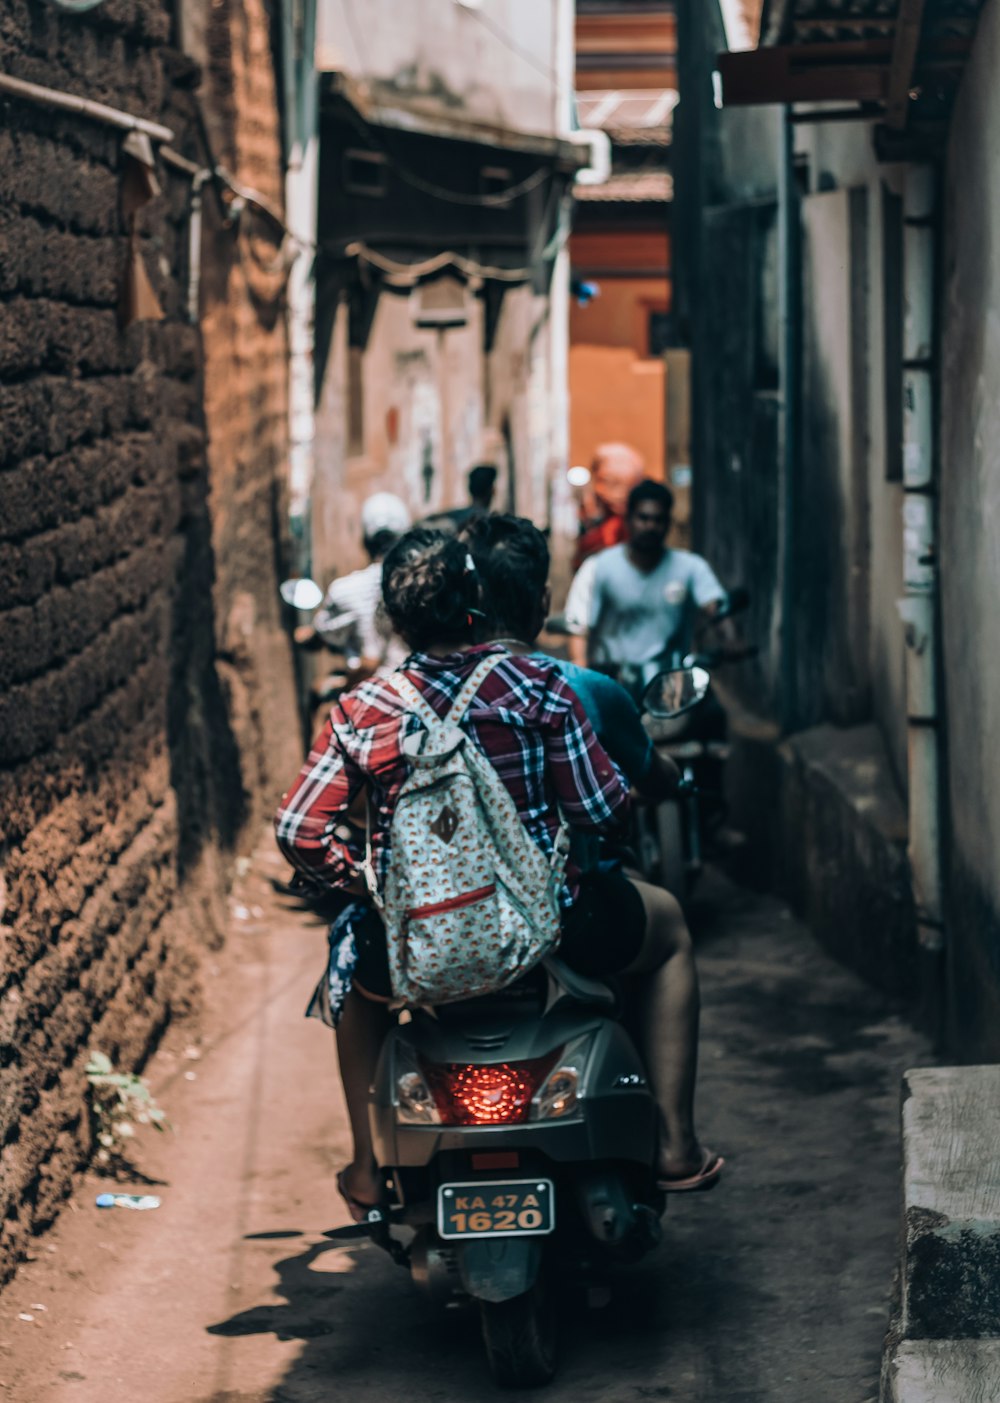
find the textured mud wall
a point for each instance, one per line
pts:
(137, 614)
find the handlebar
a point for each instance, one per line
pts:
(715, 657)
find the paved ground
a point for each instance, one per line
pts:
(774, 1289)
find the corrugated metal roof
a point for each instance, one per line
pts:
(629, 187)
(900, 61)
(816, 21)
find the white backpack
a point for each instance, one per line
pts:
(470, 902)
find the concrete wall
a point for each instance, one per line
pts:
(502, 62)
(970, 541)
(846, 432)
(131, 749)
(441, 388)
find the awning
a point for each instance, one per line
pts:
(382, 106)
(895, 61)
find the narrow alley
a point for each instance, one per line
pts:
(775, 1289)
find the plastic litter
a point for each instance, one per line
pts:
(137, 1201)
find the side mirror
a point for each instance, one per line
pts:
(301, 593)
(672, 693)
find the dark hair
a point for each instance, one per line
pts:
(650, 491)
(482, 480)
(512, 558)
(379, 544)
(428, 588)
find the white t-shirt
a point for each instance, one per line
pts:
(638, 617)
(352, 617)
(577, 611)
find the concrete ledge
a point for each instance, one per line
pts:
(827, 830)
(944, 1371)
(951, 1204)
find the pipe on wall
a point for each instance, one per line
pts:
(919, 605)
(784, 643)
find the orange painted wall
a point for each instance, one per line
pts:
(617, 391)
(616, 395)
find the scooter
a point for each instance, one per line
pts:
(675, 832)
(517, 1135)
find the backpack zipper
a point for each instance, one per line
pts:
(454, 903)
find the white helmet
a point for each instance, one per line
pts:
(384, 512)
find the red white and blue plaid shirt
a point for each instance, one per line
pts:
(526, 721)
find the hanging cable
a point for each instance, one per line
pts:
(492, 201)
(399, 274)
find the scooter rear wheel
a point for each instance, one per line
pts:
(520, 1339)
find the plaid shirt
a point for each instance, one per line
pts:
(525, 720)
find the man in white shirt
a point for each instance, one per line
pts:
(646, 599)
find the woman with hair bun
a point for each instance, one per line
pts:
(524, 719)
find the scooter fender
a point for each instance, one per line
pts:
(499, 1268)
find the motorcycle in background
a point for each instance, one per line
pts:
(672, 835)
(322, 681)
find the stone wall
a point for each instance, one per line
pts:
(137, 549)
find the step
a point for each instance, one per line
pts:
(951, 1204)
(945, 1371)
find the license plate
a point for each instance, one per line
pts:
(502, 1208)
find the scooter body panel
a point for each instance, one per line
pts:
(614, 1119)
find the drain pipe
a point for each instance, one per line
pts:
(784, 640)
(301, 120)
(919, 606)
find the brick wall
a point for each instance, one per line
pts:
(145, 690)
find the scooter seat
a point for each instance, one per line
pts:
(578, 987)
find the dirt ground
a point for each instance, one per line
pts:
(773, 1289)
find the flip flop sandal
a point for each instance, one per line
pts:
(706, 1178)
(358, 1210)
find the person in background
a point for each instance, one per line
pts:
(512, 559)
(646, 599)
(482, 487)
(616, 468)
(351, 619)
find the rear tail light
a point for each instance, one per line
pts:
(493, 1093)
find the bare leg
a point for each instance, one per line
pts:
(360, 1034)
(666, 1007)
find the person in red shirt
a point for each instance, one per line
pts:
(615, 470)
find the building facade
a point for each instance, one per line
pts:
(832, 267)
(620, 317)
(446, 162)
(143, 445)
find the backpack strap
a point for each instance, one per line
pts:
(471, 686)
(418, 704)
(410, 694)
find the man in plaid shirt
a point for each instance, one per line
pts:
(524, 719)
